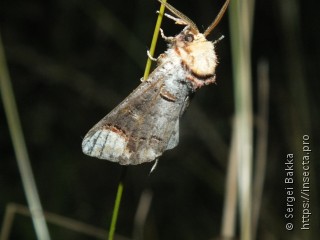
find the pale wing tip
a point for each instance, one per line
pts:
(108, 145)
(104, 144)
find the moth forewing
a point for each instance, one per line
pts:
(146, 123)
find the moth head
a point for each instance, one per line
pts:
(196, 52)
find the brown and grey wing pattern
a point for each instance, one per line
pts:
(144, 125)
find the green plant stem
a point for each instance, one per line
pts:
(154, 39)
(117, 205)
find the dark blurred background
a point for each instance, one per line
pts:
(71, 62)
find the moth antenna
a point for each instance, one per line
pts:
(217, 19)
(187, 21)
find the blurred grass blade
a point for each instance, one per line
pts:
(20, 149)
(142, 214)
(230, 199)
(240, 14)
(14, 209)
(262, 141)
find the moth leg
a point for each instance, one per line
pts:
(168, 39)
(177, 20)
(154, 166)
(198, 83)
(210, 80)
(218, 40)
(152, 58)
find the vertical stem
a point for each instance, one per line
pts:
(230, 198)
(240, 25)
(117, 204)
(154, 39)
(21, 152)
(262, 142)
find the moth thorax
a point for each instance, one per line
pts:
(200, 58)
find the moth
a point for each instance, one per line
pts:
(146, 123)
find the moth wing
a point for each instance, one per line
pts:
(140, 128)
(174, 138)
